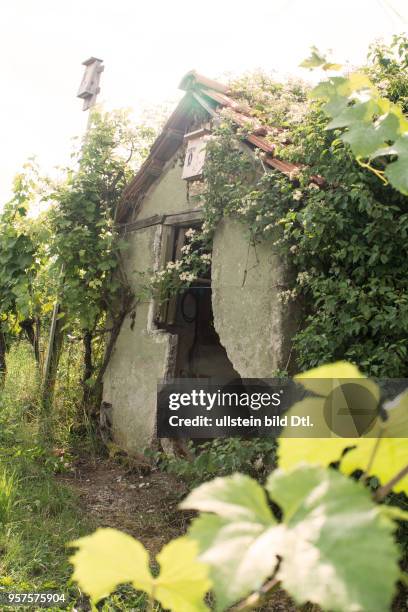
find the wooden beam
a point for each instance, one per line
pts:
(204, 104)
(183, 218)
(141, 223)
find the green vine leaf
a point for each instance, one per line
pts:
(323, 379)
(242, 554)
(396, 171)
(371, 121)
(316, 451)
(240, 540)
(109, 557)
(354, 115)
(316, 59)
(183, 580)
(363, 140)
(320, 451)
(339, 551)
(99, 573)
(391, 455)
(238, 497)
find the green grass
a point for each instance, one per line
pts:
(38, 515)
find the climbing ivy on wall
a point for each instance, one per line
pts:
(346, 241)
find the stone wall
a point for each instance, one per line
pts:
(253, 325)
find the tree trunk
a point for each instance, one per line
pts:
(37, 337)
(51, 367)
(3, 365)
(88, 369)
(31, 329)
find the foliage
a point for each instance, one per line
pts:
(7, 487)
(87, 243)
(383, 454)
(345, 242)
(94, 294)
(180, 585)
(387, 69)
(221, 457)
(37, 512)
(313, 530)
(194, 262)
(21, 254)
(324, 514)
(371, 121)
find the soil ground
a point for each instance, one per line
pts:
(143, 505)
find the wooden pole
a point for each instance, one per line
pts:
(88, 91)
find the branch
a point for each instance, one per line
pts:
(116, 327)
(364, 476)
(257, 598)
(384, 490)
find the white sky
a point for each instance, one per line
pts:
(147, 46)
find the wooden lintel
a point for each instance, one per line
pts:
(183, 218)
(141, 223)
(189, 216)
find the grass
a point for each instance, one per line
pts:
(38, 515)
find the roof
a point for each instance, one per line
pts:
(213, 97)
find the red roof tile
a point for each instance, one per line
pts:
(167, 143)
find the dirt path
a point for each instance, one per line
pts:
(144, 506)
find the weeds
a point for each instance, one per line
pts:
(222, 457)
(7, 489)
(38, 515)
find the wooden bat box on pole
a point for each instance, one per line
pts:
(89, 87)
(88, 92)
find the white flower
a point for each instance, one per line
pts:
(297, 195)
(186, 248)
(206, 257)
(186, 276)
(313, 186)
(268, 227)
(171, 265)
(294, 174)
(190, 232)
(303, 278)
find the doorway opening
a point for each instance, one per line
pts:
(189, 315)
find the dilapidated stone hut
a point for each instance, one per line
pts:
(230, 324)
